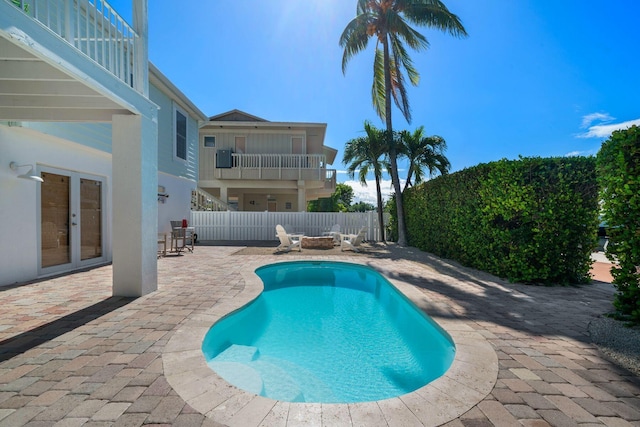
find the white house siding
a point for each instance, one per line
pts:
(166, 161)
(257, 142)
(178, 205)
(19, 207)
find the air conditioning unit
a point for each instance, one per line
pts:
(223, 159)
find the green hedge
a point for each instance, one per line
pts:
(619, 178)
(532, 220)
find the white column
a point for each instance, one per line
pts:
(135, 205)
(302, 197)
(141, 27)
(224, 196)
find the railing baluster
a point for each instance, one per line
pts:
(78, 34)
(114, 41)
(103, 42)
(86, 26)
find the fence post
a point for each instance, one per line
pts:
(227, 225)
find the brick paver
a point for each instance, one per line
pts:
(71, 355)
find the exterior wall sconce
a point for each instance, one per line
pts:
(162, 194)
(30, 175)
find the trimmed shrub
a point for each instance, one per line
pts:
(618, 164)
(532, 220)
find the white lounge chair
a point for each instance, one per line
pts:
(335, 233)
(353, 241)
(287, 242)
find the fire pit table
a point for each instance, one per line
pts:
(322, 242)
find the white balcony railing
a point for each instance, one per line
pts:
(279, 161)
(94, 28)
(308, 167)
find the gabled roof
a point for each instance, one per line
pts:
(236, 116)
(330, 153)
(237, 119)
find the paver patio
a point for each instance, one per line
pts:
(71, 355)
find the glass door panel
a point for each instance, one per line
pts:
(90, 219)
(55, 234)
(72, 220)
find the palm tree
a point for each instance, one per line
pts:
(423, 152)
(364, 154)
(388, 21)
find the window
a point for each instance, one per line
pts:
(209, 141)
(241, 143)
(180, 140)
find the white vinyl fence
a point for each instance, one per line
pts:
(229, 225)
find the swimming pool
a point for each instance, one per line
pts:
(328, 332)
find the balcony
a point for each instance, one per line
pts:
(93, 28)
(307, 167)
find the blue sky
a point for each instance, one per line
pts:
(534, 77)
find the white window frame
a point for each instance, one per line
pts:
(176, 110)
(204, 139)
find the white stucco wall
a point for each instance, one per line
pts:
(178, 205)
(18, 201)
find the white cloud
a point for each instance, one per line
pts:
(368, 194)
(604, 131)
(574, 154)
(596, 117)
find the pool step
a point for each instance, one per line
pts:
(312, 388)
(279, 379)
(238, 353)
(242, 375)
(277, 383)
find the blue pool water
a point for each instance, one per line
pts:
(327, 332)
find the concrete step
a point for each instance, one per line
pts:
(238, 353)
(241, 375)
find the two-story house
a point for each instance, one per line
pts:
(92, 141)
(257, 165)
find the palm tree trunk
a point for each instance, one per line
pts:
(380, 213)
(393, 155)
(409, 176)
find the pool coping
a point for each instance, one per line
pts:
(469, 380)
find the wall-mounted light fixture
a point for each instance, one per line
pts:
(30, 175)
(162, 194)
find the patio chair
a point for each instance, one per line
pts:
(182, 237)
(335, 233)
(286, 241)
(353, 241)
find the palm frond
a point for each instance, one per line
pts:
(401, 54)
(434, 14)
(378, 93)
(354, 39)
(398, 88)
(361, 6)
(366, 153)
(398, 27)
(425, 154)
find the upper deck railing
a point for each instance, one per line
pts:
(277, 167)
(94, 28)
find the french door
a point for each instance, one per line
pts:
(72, 220)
